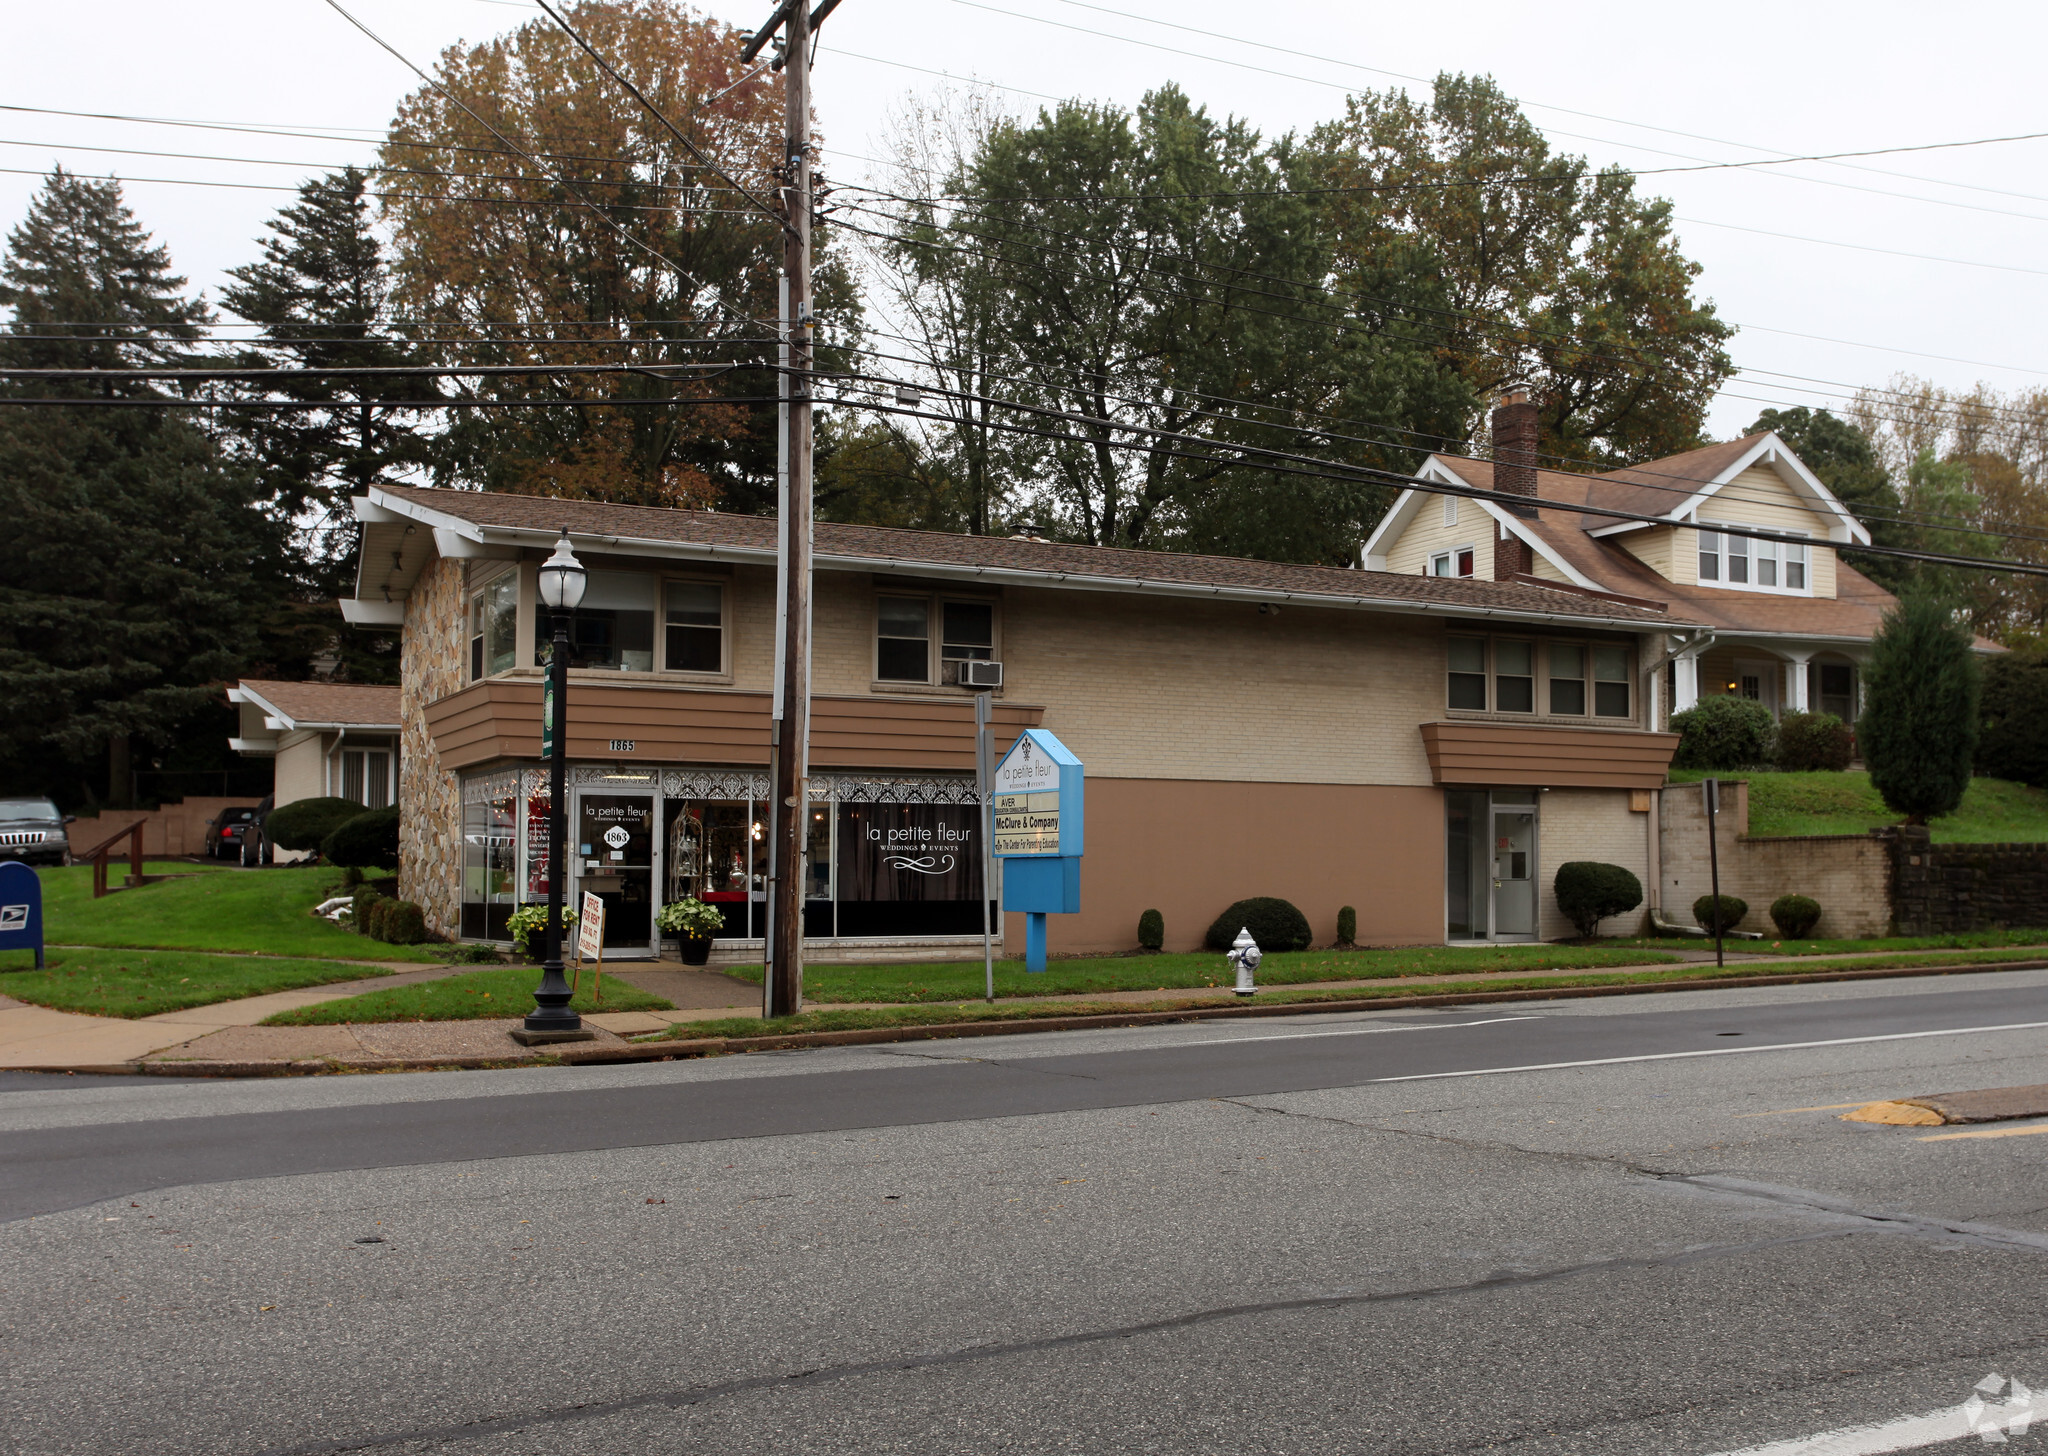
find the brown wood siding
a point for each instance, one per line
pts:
(1525, 756)
(500, 719)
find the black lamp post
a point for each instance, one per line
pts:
(562, 579)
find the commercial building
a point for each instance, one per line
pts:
(1425, 749)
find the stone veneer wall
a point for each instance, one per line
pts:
(430, 798)
(1849, 874)
(1939, 888)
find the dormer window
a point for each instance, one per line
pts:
(1452, 563)
(1751, 565)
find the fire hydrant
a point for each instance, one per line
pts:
(1244, 954)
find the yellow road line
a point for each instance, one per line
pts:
(1782, 1111)
(1986, 1132)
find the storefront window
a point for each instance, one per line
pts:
(490, 879)
(909, 869)
(717, 851)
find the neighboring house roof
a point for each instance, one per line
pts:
(298, 706)
(1853, 613)
(477, 523)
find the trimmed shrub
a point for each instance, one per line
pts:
(370, 840)
(2013, 741)
(1795, 916)
(1151, 930)
(303, 823)
(366, 899)
(1809, 741)
(1274, 923)
(1731, 912)
(1918, 732)
(1723, 731)
(402, 923)
(1347, 926)
(1588, 892)
(373, 921)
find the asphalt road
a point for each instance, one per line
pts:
(1632, 1225)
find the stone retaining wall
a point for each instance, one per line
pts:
(1939, 888)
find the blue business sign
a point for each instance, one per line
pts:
(1038, 794)
(21, 909)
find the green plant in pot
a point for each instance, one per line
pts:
(529, 927)
(694, 924)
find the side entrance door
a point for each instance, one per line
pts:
(1514, 873)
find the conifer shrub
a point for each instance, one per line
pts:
(402, 923)
(366, 898)
(372, 923)
(1151, 930)
(1918, 732)
(1729, 913)
(1588, 892)
(1723, 732)
(1347, 926)
(1275, 924)
(369, 840)
(1810, 741)
(1795, 916)
(304, 823)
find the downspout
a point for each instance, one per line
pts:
(328, 761)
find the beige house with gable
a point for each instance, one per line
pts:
(1788, 622)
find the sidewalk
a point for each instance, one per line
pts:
(226, 1039)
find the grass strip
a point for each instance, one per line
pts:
(470, 996)
(1958, 941)
(959, 980)
(878, 1017)
(268, 911)
(132, 983)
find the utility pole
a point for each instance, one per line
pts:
(782, 990)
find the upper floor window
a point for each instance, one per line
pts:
(612, 628)
(494, 626)
(1500, 674)
(903, 636)
(694, 626)
(1452, 563)
(1739, 561)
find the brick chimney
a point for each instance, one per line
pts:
(1515, 429)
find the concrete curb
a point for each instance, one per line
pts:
(669, 1051)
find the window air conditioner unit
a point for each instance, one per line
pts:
(972, 674)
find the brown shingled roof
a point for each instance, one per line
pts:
(364, 705)
(882, 546)
(1856, 609)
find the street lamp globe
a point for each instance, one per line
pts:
(562, 578)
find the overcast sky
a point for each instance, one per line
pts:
(1956, 294)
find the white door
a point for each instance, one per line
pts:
(1758, 681)
(1514, 874)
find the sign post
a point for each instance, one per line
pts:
(1038, 794)
(984, 771)
(1710, 798)
(21, 909)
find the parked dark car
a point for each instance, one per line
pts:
(224, 831)
(256, 850)
(32, 830)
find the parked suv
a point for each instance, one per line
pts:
(224, 831)
(33, 831)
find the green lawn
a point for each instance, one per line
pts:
(867, 1018)
(1994, 811)
(471, 996)
(960, 980)
(1961, 940)
(212, 908)
(135, 983)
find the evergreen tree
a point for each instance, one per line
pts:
(131, 571)
(319, 295)
(1918, 732)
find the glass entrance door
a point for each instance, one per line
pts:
(1514, 874)
(615, 844)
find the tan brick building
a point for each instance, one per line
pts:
(1336, 737)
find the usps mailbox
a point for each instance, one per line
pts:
(1037, 809)
(21, 909)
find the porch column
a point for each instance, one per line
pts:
(1685, 670)
(1795, 681)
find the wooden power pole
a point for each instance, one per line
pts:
(782, 992)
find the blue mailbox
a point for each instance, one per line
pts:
(21, 909)
(1037, 798)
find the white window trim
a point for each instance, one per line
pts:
(1750, 586)
(475, 623)
(1451, 555)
